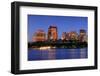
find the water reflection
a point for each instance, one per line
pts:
(73, 53)
(51, 54)
(83, 53)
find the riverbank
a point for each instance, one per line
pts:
(58, 45)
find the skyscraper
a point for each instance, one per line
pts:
(73, 35)
(52, 33)
(39, 35)
(82, 36)
(63, 36)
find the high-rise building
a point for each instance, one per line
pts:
(82, 32)
(73, 35)
(63, 36)
(82, 36)
(39, 35)
(68, 36)
(52, 33)
(85, 39)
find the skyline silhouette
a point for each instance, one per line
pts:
(63, 23)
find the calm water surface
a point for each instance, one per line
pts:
(51, 54)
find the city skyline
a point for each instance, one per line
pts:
(63, 23)
(40, 35)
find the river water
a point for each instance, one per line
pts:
(52, 54)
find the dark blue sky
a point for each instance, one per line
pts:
(63, 23)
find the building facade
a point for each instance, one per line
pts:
(52, 33)
(71, 35)
(63, 37)
(82, 36)
(39, 35)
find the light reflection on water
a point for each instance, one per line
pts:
(51, 54)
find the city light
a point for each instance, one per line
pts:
(52, 35)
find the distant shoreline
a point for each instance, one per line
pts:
(62, 45)
(58, 48)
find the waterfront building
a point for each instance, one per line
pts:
(63, 37)
(67, 36)
(39, 35)
(52, 33)
(85, 38)
(82, 32)
(73, 35)
(82, 36)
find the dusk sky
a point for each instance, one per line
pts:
(63, 23)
